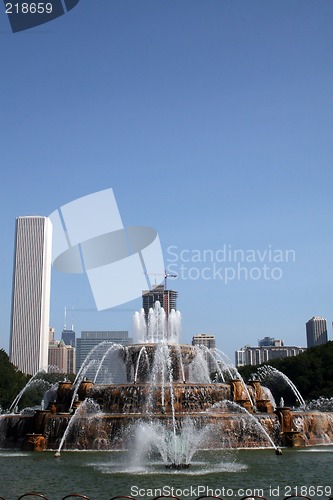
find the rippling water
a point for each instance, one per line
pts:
(229, 474)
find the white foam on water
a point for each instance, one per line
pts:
(155, 468)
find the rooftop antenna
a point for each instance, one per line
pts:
(72, 319)
(65, 319)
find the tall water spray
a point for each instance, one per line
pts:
(159, 328)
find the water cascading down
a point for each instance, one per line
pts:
(159, 396)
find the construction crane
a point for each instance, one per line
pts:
(166, 276)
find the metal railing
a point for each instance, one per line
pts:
(297, 496)
(35, 495)
(32, 494)
(167, 496)
(75, 495)
(208, 496)
(121, 496)
(253, 497)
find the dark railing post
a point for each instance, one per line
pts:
(297, 496)
(32, 494)
(75, 495)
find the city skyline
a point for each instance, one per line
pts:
(156, 291)
(211, 122)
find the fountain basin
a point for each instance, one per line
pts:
(166, 401)
(166, 393)
(137, 398)
(121, 408)
(115, 431)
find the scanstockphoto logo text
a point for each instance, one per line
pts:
(228, 264)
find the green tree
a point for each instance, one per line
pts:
(11, 381)
(311, 372)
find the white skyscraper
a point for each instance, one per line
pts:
(31, 294)
(316, 331)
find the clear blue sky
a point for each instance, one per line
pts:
(211, 120)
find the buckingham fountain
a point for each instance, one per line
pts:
(157, 396)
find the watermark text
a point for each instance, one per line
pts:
(229, 264)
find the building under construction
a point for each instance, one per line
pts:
(167, 299)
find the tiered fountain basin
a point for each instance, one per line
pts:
(119, 409)
(164, 401)
(113, 430)
(166, 392)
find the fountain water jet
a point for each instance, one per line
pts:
(266, 372)
(87, 409)
(113, 347)
(36, 379)
(176, 450)
(235, 407)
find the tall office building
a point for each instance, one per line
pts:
(113, 368)
(68, 336)
(167, 299)
(208, 341)
(62, 357)
(51, 334)
(316, 331)
(31, 294)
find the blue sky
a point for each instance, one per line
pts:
(212, 122)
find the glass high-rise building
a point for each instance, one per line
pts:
(316, 331)
(30, 315)
(113, 368)
(68, 336)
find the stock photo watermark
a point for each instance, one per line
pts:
(229, 264)
(89, 238)
(224, 491)
(30, 14)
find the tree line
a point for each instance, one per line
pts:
(12, 381)
(311, 372)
